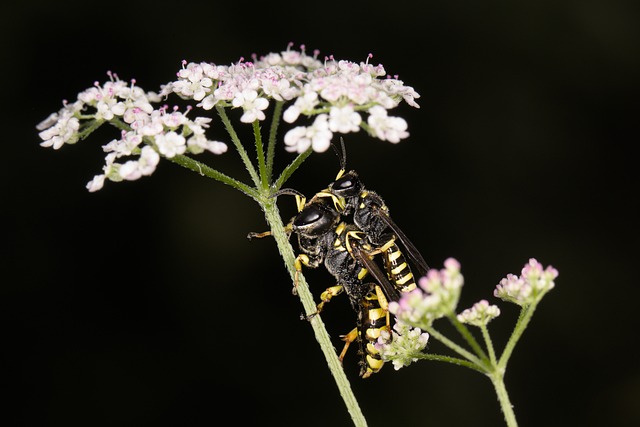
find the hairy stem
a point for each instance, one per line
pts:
(497, 379)
(238, 144)
(523, 321)
(286, 251)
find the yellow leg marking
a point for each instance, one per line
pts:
(301, 259)
(348, 339)
(326, 297)
(328, 294)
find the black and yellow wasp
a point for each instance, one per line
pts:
(345, 227)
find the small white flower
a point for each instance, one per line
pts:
(149, 159)
(96, 183)
(392, 129)
(64, 130)
(199, 143)
(193, 83)
(304, 104)
(344, 119)
(251, 104)
(318, 136)
(170, 144)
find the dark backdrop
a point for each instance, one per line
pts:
(145, 305)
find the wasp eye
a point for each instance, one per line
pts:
(343, 183)
(348, 185)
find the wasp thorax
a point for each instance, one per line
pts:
(315, 220)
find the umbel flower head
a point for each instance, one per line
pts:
(331, 96)
(403, 345)
(480, 314)
(534, 282)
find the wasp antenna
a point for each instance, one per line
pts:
(342, 156)
(301, 199)
(287, 191)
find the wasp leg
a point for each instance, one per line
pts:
(255, 235)
(325, 297)
(348, 339)
(307, 261)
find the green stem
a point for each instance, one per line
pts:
(205, 170)
(262, 166)
(455, 347)
(468, 336)
(286, 251)
(449, 359)
(238, 144)
(523, 321)
(497, 379)
(273, 132)
(288, 171)
(489, 344)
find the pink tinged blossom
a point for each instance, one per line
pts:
(192, 81)
(534, 282)
(251, 104)
(480, 314)
(437, 296)
(174, 119)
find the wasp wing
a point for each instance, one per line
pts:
(411, 251)
(376, 272)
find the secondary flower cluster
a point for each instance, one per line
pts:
(334, 92)
(534, 282)
(405, 347)
(436, 296)
(480, 314)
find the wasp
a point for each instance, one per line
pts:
(345, 227)
(368, 211)
(324, 239)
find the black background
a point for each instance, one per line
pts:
(145, 305)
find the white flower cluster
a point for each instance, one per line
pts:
(480, 314)
(152, 132)
(534, 282)
(333, 92)
(437, 296)
(403, 345)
